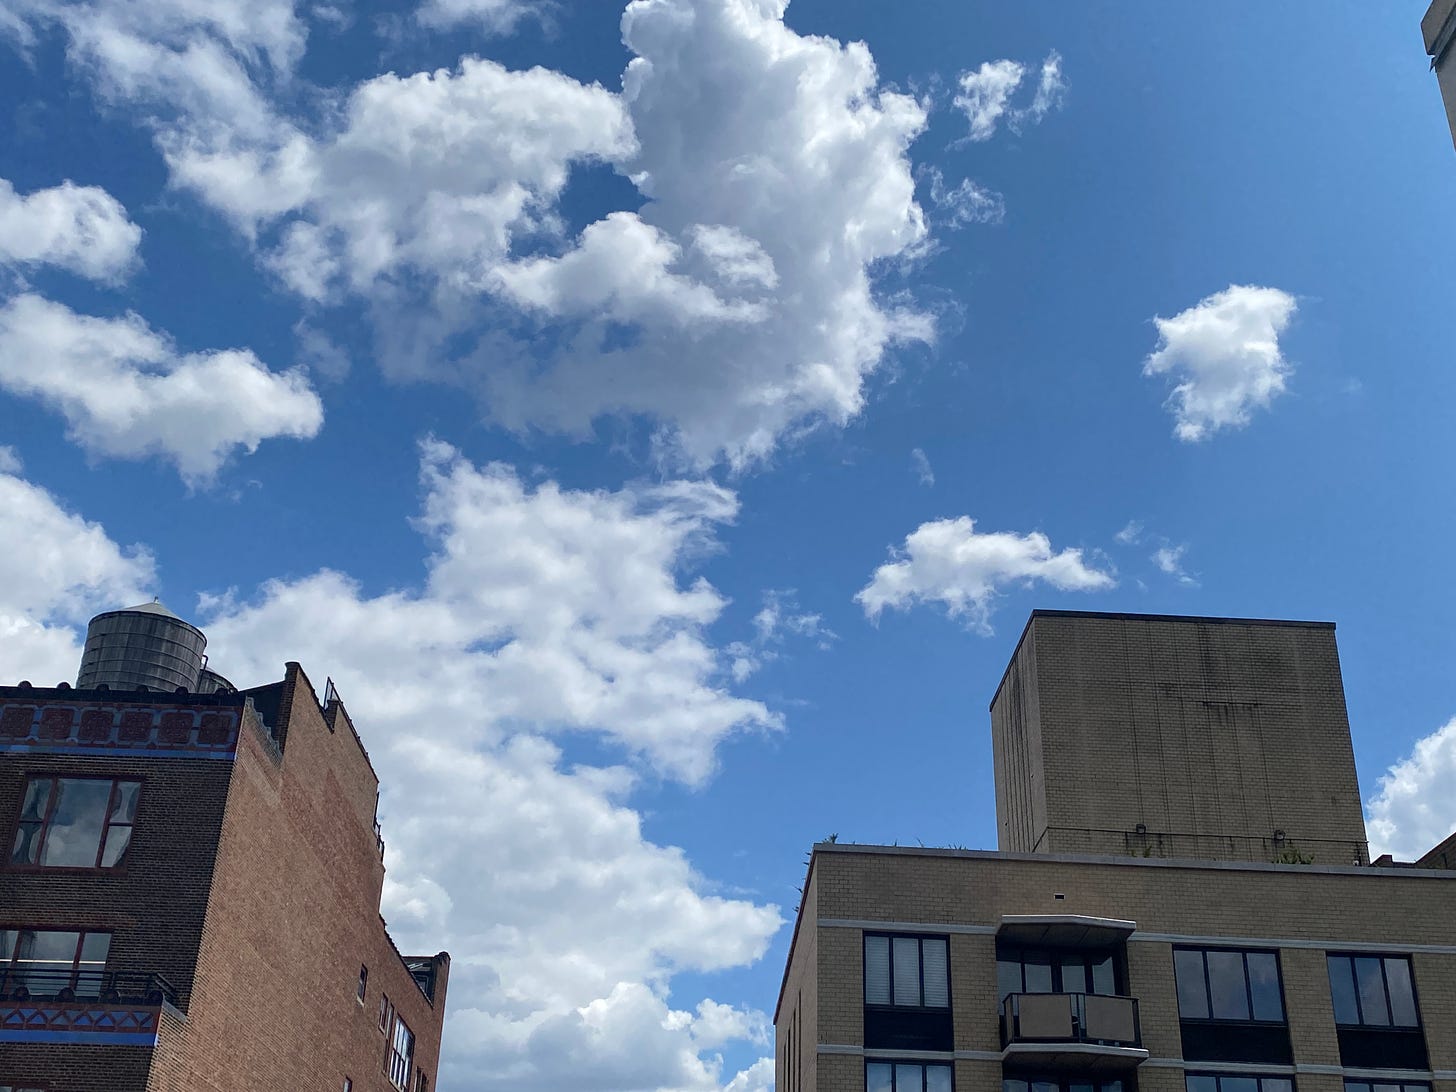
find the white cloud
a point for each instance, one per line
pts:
(1224, 352)
(542, 611)
(80, 228)
(923, 469)
(1414, 808)
(737, 306)
(1169, 559)
(967, 203)
(494, 16)
(125, 391)
(985, 95)
(55, 571)
(778, 620)
(1131, 534)
(949, 562)
(10, 462)
(759, 1077)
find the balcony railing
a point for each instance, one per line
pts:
(1088, 1018)
(86, 987)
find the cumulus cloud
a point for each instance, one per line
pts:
(985, 95)
(1414, 808)
(736, 306)
(1224, 354)
(543, 613)
(79, 228)
(126, 392)
(56, 569)
(949, 562)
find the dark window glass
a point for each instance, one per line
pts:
(1008, 977)
(46, 961)
(1038, 974)
(1402, 993)
(1365, 1086)
(1011, 1084)
(1054, 1084)
(906, 971)
(1342, 990)
(1372, 991)
(1370, 981)
(72, 822)
(1192, 989)
(1264, 986)
(1228, 992)
(1228, 984)
(1220, 1082)
(363, 984)
(907, 1077)
(1103, 980)
(1074, 974)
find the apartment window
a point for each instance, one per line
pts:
(386, 1013)
(1058, 1084)
(1228, 984)
(906, 1077)
(75, 822)
(422, 1083)
(45, 962)
(21, 1088)
(1350, 1086)
(906, 971)
(401, 1054)
(1027, 970)
(348, 1085)
(363, 984)
(1223, 1082)
(1373, 991)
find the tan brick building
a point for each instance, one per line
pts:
(1182, 900)
(1438, 28)
(189, 897)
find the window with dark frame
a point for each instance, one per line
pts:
(907, 1077)
(43, 962)
(386, 1012)
(21, 1088)
(422, 1083)
(1373, 991)
(1052, 1083)
(348, 1085)
(906, 971)
(1229, 985)
(1032, 970)
(75, 822)
(363, 984)
(1242, 1082)
(1370, 1086)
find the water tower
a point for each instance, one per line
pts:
(146, 647)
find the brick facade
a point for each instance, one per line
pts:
(252, 884)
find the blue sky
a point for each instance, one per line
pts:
(664, 469)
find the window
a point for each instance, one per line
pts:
(1027, 970)
(906, 971)
(906, 1077)
(1373, 991)
(46, 961)
(1228, 984)
(75, 822)
(348, 1085)
(401, 1054)
(1215, 1082)
(21, 1088)
(363, 984)
(1058, 1084)
(1350, 1086)
(386, 1013)
(422, 1083)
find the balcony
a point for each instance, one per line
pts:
(1086, 1031)
(120, 1008)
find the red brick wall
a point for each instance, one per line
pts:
(292, 915)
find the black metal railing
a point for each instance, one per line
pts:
(86, 987)
(1102, 1019)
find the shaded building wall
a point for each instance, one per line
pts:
(1436, 30)
(1173, 737)
(292, 916)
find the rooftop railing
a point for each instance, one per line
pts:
(85, 987)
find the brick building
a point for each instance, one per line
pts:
(1182, 898)
(189, 899)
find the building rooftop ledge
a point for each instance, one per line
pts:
(1136, 862)
(25, 692)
